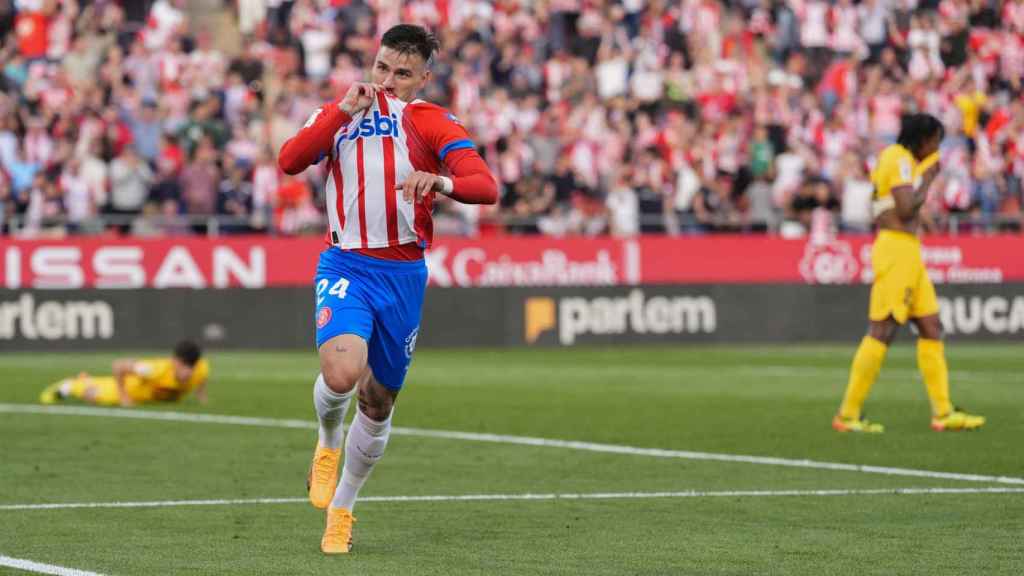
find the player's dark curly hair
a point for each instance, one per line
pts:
(916, 129)
(411, 39)
(188, 352)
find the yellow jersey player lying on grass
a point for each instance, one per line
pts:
(139, 381)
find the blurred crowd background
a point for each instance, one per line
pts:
(598, 117)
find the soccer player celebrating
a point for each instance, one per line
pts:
(902, 290)
(139, 381)
(385, 152)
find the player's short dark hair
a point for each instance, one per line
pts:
(188, 352)
(915, 129)
(411, 39)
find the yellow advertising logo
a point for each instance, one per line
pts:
(540, 317)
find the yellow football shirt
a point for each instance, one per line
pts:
(157, 374)
(895, 168)
(970, 107)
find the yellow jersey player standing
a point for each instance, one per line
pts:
(902, 289)
(139, 381)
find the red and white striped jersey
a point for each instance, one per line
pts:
(378, 149)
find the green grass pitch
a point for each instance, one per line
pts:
(760, 401)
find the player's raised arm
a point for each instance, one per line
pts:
(314, 141)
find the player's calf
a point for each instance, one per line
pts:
(330, 408)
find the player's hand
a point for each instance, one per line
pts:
(418, 184)
(126, 401)
(359, 97)
(931, 172)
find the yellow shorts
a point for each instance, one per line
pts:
(103, 389)
(902, 288)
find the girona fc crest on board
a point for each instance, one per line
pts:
(828, 263)
(323, 317)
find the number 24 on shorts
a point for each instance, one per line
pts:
(339, 289)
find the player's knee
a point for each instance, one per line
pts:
(375, 407)
(930, 330)
(882, 331)
(341, 377)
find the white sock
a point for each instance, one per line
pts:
(364, 447)
(331, 409)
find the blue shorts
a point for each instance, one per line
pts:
(377, 300)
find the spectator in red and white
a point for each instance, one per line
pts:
(130, 178)
(45, 214)
(954, 185)
(317, 38)
(886, 111)
(39, 146)
(856, 194)
(814, 16)
(166, 21)
(789, 174)
(60, 29)
(32, 28)
(199, 180)
(1011, 60)
(835, 141)
(623, 207)
(924, 41)
(265, 183)
(95, 172)
(295, 211)
(77, 196)
(251, 15)
(845, 26)
(205, 66)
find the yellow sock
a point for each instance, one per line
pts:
(866, 364)
(931, 360)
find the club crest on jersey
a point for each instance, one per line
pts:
(377, 125)
(323, 317)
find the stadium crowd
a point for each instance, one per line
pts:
(597, 116)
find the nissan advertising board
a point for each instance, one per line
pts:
(255, 292)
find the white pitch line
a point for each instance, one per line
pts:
(172, 416)
(531, 496)
(40, 568)
(781, 370)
